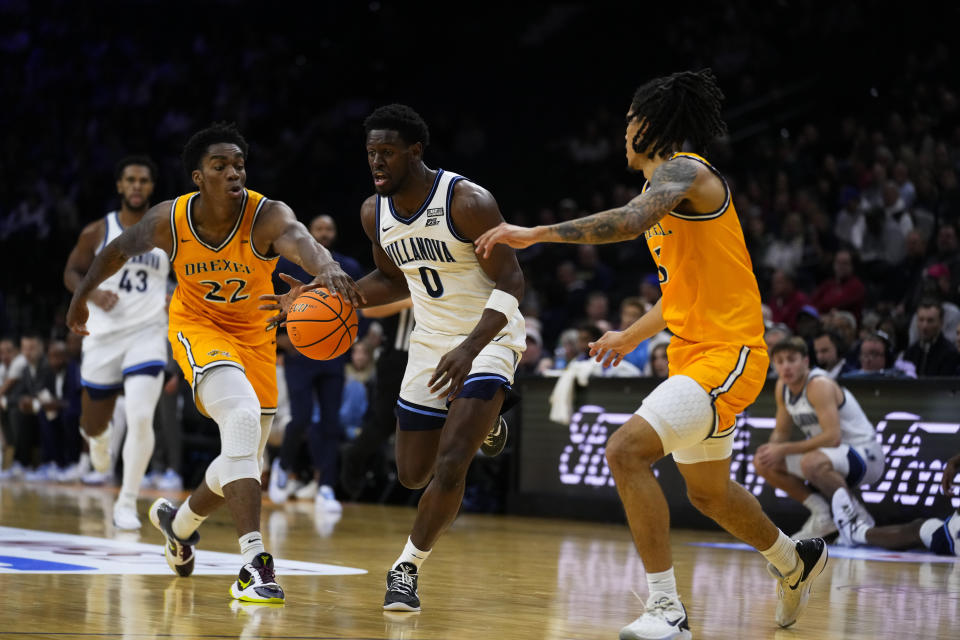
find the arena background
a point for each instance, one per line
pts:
(505, 88)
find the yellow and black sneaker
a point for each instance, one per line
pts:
(179, 553)
(257, 582)
(496, 440)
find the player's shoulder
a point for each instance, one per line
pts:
(470, 196)
(369, 205)
(820, 386)
(94, 228)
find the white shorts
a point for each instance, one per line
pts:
(418, 409)
(107, 359)
(859, 464)
(683, 415)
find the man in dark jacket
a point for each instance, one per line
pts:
(932, 354)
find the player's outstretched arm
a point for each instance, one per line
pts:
(474, 211)
(613, 346)
(80, 259)
(278, 230)
(670, 184)
(153, 230)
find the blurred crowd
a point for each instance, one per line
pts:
(846, 185)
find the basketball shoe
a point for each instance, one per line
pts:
(402, 589)
(125, 514)
(496, 440)
(852, 519)
(257, 582)
(665, 618)
(179, 553)
(794, 587)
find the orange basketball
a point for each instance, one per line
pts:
(321, 326)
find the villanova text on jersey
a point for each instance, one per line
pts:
(407, 250)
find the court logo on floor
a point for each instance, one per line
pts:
(26, 551)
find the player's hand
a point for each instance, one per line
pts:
(77, 315)
(104, 299)
(451, 372)
(769, 454)
(611, 348)
(336, 281)
(508, 234)
(281, 302)
(949, 472)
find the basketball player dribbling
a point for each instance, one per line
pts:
(127, 347)
(222, 241)
(718, 361)
(469, 333)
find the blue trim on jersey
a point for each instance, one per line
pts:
(151, 367)
(484, 376)
(485, 389)
(450, 213)
(858, 468)
(116, 216)
(423, 207)
(106, 232)
(419, 408)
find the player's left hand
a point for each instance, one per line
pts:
(508, 234)
(282, 301)
(451, 372)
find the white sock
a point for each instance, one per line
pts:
(186, 521)
(817, 505)
(663, 582)
(251, 544)
(783, 554)
(412, 555)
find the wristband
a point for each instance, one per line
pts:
(503, 302)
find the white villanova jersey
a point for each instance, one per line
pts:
(448, 287)
(855, 428)
(141, 286)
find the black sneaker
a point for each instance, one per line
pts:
(496, 440)
(257, 582)
(793, 588)
(179, 553)
(402, 589)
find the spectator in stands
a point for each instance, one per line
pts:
(359, 378)
(658, 367)
(827, 348)
(567, 350)
(12, 364)
(593, 272)
(649, 291)
(630, 311)
(785, 300)
(844, 290)
(932, 354)
(851, 222)
(774, 334)
(808, 323)
(532, 362)
(597, 309)
(23, 412)
(876, 359)
(786, 252)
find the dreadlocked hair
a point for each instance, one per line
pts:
(402, 119)
(681, 107)
(200, 142)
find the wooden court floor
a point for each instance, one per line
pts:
(489, 577)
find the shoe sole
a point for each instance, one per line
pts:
(245, 598)
(807, 588)
(400, 606)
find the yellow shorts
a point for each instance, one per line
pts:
(732, 374)
(199, 349)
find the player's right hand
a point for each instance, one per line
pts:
(104, 299)
(611, 348)
(77, 315)
(949, 472)
(282, 302)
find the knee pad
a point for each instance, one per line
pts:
(680, 411)
(241, 434)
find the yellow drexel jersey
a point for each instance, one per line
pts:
(218, 286)
(709, 291)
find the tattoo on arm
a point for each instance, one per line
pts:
(669, 185)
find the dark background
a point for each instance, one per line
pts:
(503, 86)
